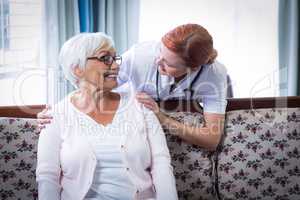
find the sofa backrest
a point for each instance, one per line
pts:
(18, 149)
(259, 156)
(197, 174)
(193, 166)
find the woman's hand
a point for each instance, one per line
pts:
(148, 102)
(44, 118)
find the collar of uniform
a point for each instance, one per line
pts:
(187, 80)
(167, 81)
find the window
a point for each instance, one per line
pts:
(244, 32)
(4, 24)
(22, 80)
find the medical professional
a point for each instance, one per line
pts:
(182, 65)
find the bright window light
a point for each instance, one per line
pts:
(244, 32)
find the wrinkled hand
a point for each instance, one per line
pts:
(44, 118)
(148, 102)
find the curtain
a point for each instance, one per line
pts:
(117, 18)
(64, 18)
(60, 22)
(288, 47)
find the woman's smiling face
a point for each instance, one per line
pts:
(97, 73)
(170, 63)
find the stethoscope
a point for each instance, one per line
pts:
(186, 91)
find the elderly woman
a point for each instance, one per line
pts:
(101, 144)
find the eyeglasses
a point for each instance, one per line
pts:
(108, 59)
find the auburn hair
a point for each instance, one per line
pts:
(192, 43)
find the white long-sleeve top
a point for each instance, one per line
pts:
(110, 178)
(66, 162)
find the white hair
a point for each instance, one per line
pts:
(77, 49)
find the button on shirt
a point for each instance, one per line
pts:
(138, 71)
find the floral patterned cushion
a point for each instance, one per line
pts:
(18, 140)
(192, 165)
(260, 155)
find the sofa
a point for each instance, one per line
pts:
(258, 156)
